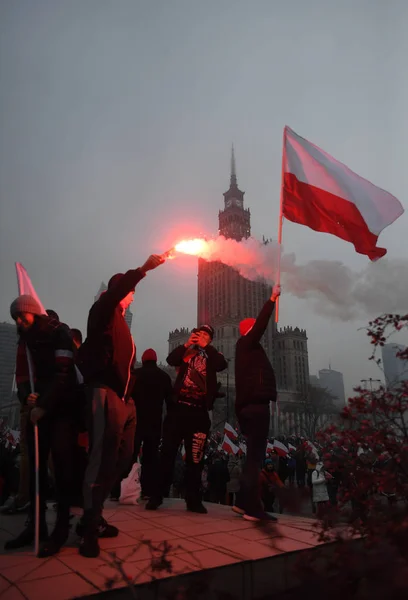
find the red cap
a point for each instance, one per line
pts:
(246, 325)
(149, 354)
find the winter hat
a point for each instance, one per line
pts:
(207, 329)
(149, 354)
(25, 303)
(246, 325)
(268, 462)
(114, 279)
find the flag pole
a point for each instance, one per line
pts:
(278, 273)
(36, 463)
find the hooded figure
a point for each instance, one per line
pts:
(320, 493)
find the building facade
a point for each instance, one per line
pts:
(8, 350)
(395, 369)
(292, 360)
(334, 383)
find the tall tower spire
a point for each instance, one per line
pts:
(233, 179)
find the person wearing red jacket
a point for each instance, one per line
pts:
(269, 481)
(106, 360)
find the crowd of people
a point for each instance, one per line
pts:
(95, 415)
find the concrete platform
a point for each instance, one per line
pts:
(172, 547)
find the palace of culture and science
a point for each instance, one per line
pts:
(224, 298)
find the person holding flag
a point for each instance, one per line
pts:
(52, 408)
(255, 386)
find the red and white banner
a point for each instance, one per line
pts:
(325, 195)
(230, 432)
(269, 448)
(229, 446)
(25, 287)
(280, 448)
(242, 448)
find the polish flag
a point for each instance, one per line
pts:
(325, 195)
(280, 448)
(291, 447)
(269, 448)
(25, 287)
(242, 448)
(230, 432)
(229, 446)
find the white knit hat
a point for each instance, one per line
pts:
(25, 303)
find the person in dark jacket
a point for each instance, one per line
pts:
(152, 386)
(255, 388)
(46, 344)
(217, 478)
(195, 391)
(106, 360)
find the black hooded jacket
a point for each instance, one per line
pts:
(151, 387)
(215, 363)
(107, 356)
(254, 376)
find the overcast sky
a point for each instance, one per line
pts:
(116, 122)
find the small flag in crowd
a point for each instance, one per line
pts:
(280, 448)
(230, 432)
(269, 448)
(229, 446)
(242, 448)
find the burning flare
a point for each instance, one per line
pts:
(195, 247)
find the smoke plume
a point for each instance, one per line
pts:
(334, 290)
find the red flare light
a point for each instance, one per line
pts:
(194, 247)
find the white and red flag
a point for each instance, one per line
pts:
(242, 448)
(230, 432)
(291, 447)
(325, 195)
(25, 287)
(280, 448)
(269, 448)
(229, 446)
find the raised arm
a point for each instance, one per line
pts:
(254, 335)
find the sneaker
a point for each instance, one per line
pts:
(154, 503)
(26, 537)
(89, 546)
(238, 510)
(260, 516)
(197, 508)
(104, 530)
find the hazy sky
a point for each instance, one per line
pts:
(116, 121)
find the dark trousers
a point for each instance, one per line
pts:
(58, 436)
(192, 425)
(149, 441)
(254, 423)
(111, 427)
